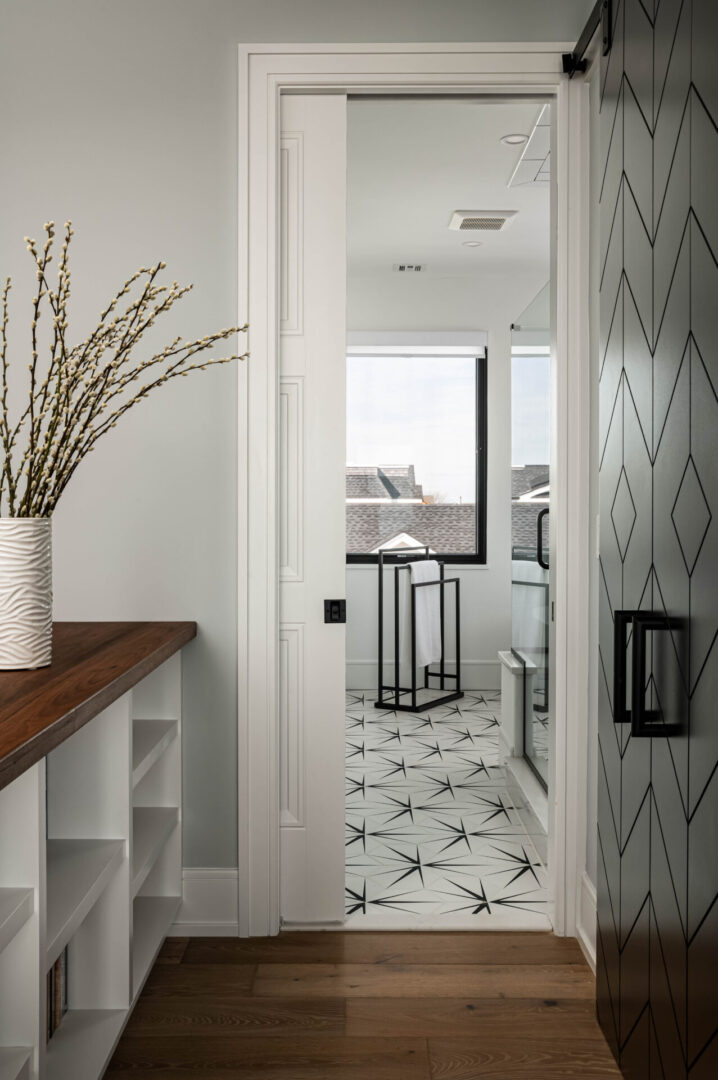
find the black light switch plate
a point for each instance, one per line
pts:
(335, 611)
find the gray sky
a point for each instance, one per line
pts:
(420, 411)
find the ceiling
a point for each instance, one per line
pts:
(412, 163)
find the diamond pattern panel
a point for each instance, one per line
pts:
(658, 798)
(691, 516)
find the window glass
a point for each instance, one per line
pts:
(411, 473)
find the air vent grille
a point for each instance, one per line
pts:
(481, 220)
(483, 223)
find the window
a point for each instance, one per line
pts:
(530, 446)
(416, 460)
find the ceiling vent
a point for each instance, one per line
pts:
(409, 268)
(481, 220)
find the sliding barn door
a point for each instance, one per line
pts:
(658, 726)
(312, 413)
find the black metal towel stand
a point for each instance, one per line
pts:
(396, 692)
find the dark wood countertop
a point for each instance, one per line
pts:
(93, 664)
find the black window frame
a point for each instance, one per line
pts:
(466, 558)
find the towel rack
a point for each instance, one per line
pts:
(396, 692)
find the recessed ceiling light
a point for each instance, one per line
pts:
(471, 243)
(514, 140)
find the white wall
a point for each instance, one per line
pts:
(122, 114)
(433, 303)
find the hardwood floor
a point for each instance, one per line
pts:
(367, 1006)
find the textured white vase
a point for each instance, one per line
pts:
(25, 593)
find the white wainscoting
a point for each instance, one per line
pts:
(209, 903)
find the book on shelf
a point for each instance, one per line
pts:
(56, 993)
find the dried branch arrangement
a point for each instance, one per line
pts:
(80, 391)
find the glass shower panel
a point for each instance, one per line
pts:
(530, 573)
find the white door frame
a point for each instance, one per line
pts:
(265, 72)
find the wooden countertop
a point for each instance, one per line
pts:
(93, 664)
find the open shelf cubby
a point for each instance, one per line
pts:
(90, 861)
(16, 907)
(15, 1063)
(82, 1046)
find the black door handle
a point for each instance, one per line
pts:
(539, 538)
(646, 723)
(621, 622)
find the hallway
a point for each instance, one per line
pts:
(367, 1006)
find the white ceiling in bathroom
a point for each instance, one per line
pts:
(413, 163)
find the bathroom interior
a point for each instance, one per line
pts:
(449, 314)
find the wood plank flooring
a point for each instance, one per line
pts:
(367, 1006)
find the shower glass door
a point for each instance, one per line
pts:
(530, 516)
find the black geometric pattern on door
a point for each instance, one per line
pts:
(658, 797)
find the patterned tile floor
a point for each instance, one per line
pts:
(433, 837)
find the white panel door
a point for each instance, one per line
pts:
(312, 413)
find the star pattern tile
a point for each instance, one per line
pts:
(432, 835)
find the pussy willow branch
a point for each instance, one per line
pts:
(87, 387)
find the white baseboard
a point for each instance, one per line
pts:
(586, 921)
(475, 674)
(209, 904)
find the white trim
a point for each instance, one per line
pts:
(530, 787)
(209, 904)
(415, 343)
(265, 71)
(571, 527)
(586, 922)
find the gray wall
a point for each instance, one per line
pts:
(121, 114)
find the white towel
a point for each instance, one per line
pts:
(428, 617)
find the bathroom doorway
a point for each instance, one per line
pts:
(448, 240)
(277, 743)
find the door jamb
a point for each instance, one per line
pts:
(266, 71)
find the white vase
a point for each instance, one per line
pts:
(25, 593)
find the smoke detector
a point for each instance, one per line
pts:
(409, 268)
(481, 220)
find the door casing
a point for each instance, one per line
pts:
(265, 72)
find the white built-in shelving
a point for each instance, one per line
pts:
(16, 907)
(90, 859)
(150, 739)
(77, 873)
(15, 1063)
(151, 826)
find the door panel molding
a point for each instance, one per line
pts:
(291, 236)
(291, 725)
(291, 477)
